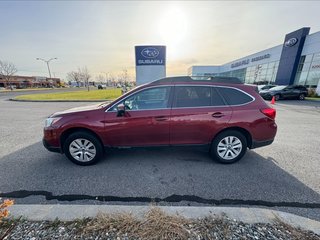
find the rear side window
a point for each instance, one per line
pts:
(234, 96)
(196, 96)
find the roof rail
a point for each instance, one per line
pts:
(233, 80)
(226, 80)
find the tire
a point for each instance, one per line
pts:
(87, 148)
(231, 154)
(301, 96)
(277, 97)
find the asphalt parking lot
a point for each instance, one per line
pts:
(284, 175)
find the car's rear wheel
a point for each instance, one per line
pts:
(229, 146)
(301, 97)
(83, 148)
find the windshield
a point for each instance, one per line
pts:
(277, 88)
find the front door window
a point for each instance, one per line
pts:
(148, 99)
(155, 98)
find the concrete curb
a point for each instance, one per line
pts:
(22, 100)
(247, 215)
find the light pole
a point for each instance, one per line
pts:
(47, 62)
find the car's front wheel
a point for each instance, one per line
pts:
(83, 148)
(229, 146)
(277, 97)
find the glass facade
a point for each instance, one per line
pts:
(257, 74)
(308, 72)
(240, 73)
(262, 73)
(280, 65)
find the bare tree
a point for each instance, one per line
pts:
(7, 70)
(112, 80)
(100, 78)
(74, 76)
(85, 75)
(124, 76)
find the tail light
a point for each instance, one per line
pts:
(269, 112)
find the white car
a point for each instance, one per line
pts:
(102, 86)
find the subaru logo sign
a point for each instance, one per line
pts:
(150, 52)
(291, 42)
(150, 55)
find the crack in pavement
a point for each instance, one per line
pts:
(173, 198)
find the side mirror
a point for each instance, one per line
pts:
(121, 110)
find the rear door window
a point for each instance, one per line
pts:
(216, 99)
(196, 96)
(234, 96)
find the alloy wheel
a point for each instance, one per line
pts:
(229, 148)
(82, 150)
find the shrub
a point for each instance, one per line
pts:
(312, 92)
(4, 212)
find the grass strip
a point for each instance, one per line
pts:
(313, 98)
(107, 94)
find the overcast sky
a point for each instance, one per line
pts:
(101, 35)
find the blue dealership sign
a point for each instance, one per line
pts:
(150, 55)
(290, 56)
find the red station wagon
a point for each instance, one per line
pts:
(221, 113)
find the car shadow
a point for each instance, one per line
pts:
(165, 175)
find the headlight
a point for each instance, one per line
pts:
(51, 120)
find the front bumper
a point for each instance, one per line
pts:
(50, 148)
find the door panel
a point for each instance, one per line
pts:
(198, 113)
(137, 128)
(197, 125)
(288, 92)
(145, 121)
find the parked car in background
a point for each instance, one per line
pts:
(102, 86)
(221, 114)
(285, 92)
(265, 87)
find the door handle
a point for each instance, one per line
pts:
(217, 115)
(161, 118)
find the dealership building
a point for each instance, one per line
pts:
(296, 61)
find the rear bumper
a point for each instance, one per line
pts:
(257, 144)
(50, 148)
